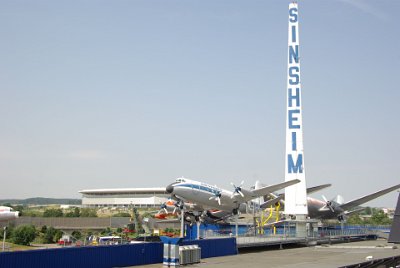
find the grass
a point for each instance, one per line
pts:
(14, 247)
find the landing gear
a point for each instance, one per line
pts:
(235, 213)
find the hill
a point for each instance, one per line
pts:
(42, 201)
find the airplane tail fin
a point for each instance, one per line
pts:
(259, 185)
(394, 236)
(339, 199)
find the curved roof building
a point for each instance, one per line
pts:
(122, 197)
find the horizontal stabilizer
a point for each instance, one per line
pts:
(349, 213)
(271, 202)
(311, 190)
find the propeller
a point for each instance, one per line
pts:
(164, 207)
(237, 189)
(179, 205)
(328, 204)
(217, 196)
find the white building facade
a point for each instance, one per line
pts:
(124, 197)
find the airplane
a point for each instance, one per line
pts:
(7, 214)
(195, 213)
(212, 197)
(337, 208)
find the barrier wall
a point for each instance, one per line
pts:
(96, 257)
(109, 256)
(214, 247)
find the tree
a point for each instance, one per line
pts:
(354, 219)
(49, 235)
(53, 212)
(58, 235)
(23, 235)
(73, 214)
(122, 214)
(77, 212)
(43, 229)
(106, 231)
(88, 212)
(379, 217)
(77, 235)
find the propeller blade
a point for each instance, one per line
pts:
(328, 204)
(237, 189)
(240, 192)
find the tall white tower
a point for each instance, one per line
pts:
(296, 195)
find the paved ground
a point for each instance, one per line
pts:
(302, 257)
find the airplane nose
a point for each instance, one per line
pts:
(170, 189)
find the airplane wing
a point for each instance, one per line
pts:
(364, 199)
(272, 188)
(317, 188)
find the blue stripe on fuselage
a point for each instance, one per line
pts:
(197, 187)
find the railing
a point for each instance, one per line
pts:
(288, 232)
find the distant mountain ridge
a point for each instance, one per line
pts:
(42, 201)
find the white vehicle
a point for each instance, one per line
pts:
(8, 214)
(110, 240)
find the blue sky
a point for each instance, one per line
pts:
(100, 94)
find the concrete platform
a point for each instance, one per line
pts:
(302, 257)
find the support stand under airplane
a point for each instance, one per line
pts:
(211, 197)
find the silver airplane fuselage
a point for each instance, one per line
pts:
(204, 194)
(317, 210)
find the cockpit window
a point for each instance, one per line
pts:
(180, 180)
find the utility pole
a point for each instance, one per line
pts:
(4, 237)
